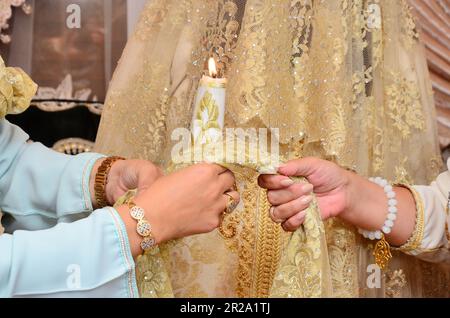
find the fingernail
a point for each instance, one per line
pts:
(272, 216)
(272, 209)
(306, 200)
(287, 182)
(307, 188)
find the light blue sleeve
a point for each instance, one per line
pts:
(36, 181)
(87, 258)
(40, 192)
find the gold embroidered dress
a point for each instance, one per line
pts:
(344, 80)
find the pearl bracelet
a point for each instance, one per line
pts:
(392, 211)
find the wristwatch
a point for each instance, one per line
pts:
(101, 179)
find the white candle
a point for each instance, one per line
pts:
(209, 110)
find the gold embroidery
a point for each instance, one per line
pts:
(220, 35)
(341, 241)
(434, 280)
(337, 135)
(152, 275)
(404, 105)
(360, 80)
(434, 166)
(16, 90)
(410, 36)
(395, 282)
(247, 239)
(303, 268)
(401, 174)
(267, 249)
(228, 227)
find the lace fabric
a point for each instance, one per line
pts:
(16, 90)
(343, 80)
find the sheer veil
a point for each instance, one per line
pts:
(343, 80)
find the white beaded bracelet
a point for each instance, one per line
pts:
(392, 211)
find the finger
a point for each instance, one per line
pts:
(274, 182)
(226, 181)
(300, 167)
(231, 206)
(279, 197)
(273, 217)
(220, 169)
(235, 195)
(293, 223)
(286, 211)
(220, 205)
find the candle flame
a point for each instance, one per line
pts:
(212, 67)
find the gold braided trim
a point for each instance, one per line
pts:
(415, 241)
(258, 251)
(247, 240)
(268, 249)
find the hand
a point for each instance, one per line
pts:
(188, 202)
(126, 175)
(327, 179)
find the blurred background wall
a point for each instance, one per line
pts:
(433, 20)
(73, 66)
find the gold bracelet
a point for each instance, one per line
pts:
(101, 179)
(143, 228)
(415, 241)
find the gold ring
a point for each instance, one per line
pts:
(231, 205)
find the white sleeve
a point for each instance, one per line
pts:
(432, 226)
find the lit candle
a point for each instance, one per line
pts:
(209, 110)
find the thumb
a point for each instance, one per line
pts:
(300, 167)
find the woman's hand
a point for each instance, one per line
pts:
(126, 175)
(290, 200)
(340, 193)
(187, 202)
